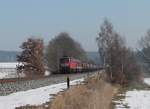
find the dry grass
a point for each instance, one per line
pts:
(96, 94)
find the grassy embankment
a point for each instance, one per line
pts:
(96, 93)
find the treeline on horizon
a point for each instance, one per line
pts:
(120, 62)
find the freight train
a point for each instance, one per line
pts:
(72, 65)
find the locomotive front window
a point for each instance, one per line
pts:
(64, 60)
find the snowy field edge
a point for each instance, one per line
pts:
(135, 99)
(34, 96)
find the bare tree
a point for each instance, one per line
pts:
(145, 41)
(105, 39)
(31, 58)
(63, 45)
(116, 57)
(145, 50)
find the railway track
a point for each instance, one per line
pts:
(7, 80)
(8, 86)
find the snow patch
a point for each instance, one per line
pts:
(8, 64)
(136, 99)
(47, 73)
(147, 81)
(8, 70)
(33, 97)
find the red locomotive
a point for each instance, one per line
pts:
(69, 65)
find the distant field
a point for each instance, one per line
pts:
(8, 70)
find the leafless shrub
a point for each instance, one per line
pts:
(31, 58)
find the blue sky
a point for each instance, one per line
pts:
(20, 19)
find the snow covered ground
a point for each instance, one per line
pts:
(136, 99)
(8, 64)
(8, 69)
(7, 74)
(147, 81)
(33, 97)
